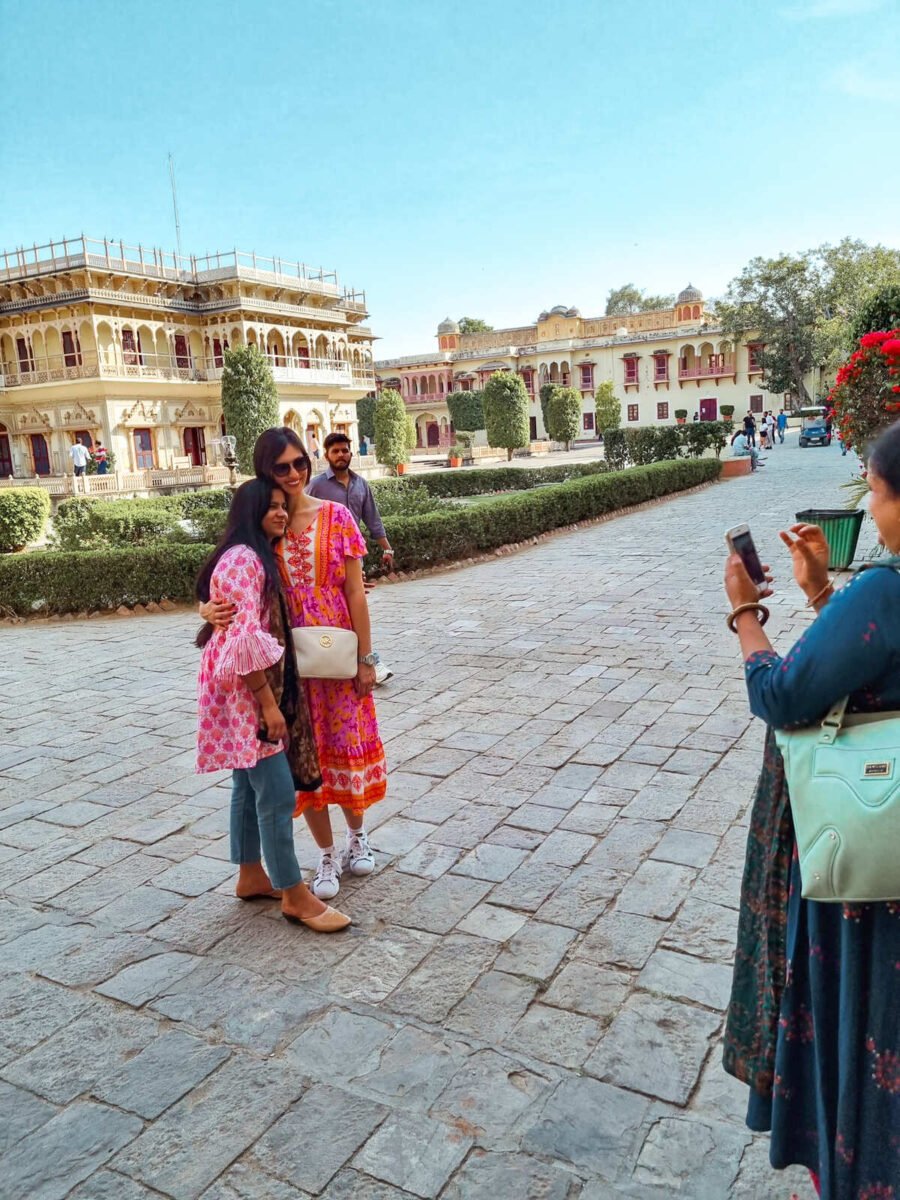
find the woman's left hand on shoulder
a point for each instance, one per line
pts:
(365, 680)
(739, 587)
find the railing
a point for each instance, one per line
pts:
(138, 365)
(706, 370)
(429, 398)
(162, 264)
(121, 482)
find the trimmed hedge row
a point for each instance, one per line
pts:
(464, 532)
(60, 581)
(94, 523)
(482, 480)
(23, 515)
(57, 581)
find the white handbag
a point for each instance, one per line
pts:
(326, 652)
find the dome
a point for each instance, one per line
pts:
(573, 312)
(689, 294)
(558, 309)
(448, 325)
(544, 315)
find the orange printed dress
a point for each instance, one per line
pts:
(313, 571)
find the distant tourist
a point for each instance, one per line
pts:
(101, 457)
(770, 428)
(363, 448)
(813, 1023)
(763, 434)
(253, 717)
(338, 483)
(314, 446)
(80, 456)
(782, 424)
(741, 448)
(696, 416)
(750, 428)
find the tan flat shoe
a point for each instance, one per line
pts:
(330, 921)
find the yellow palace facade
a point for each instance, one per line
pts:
(124, 345)
(659, 362)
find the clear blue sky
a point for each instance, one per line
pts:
(480, 157)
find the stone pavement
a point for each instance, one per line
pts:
(530, 1002)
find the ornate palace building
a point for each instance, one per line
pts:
(663, 361)
(124, 345)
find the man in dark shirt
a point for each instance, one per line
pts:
(343, 486)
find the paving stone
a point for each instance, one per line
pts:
(96, 958)
(381, 962)
(656, 1047)
(581, 898)
(686, 847)
(20, 1114)
(75, 813)
(49, 1162)
(88, 1048)
(555, 1036)
(429, 860)
(486, 1176)
(47, 884)
(588, 817)
(162, 1073)
(400, 835)
(490, 1096)
(591, 1125)
(439, 761)
(687, 978)
(208, 919)
(107, 852)
(413, 1069)
(194, 876)
(138, 911)
(443, 978)
(589, 989)
(444, 903)
(626, 843)
(321, 1051)
(657, 889)
(519, 839)
(310, 1144)
(470, 827)
(492, 921)
(621, 939)
(536, 950)
(110, 1185)
(563, 848)
(655, 803)
(352, 1185)
(246, 1181)
(258, 943)
(238, 1005)
(186, 1148)
(693, 762)
(757, 1180)
(145, 980)
(414, 1152)
(492, 1007)
(537, 817)
(31, 1010)
(528, 887)
(490, 861)
(687, 1157)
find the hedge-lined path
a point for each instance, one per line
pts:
(530, 1001)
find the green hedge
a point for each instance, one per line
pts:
(23, 515)
(85, 524)
(56, 581)
(482, 480)
(463, 532)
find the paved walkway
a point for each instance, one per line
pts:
(530, 1002)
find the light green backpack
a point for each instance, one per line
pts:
(844, 783)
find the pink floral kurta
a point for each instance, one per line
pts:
(228, 715)
(351, 756)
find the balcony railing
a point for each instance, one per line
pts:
(429, 398)
(134, 365)
(713, 370)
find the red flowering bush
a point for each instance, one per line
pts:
(866, 394)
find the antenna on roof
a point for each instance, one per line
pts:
(175, 204)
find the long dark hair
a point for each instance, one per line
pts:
(884, 457)
(249, 506)
(271, 445)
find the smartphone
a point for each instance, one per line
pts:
(740, 541)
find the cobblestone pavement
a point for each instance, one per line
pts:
(530, 1001)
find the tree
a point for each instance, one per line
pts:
(546, 391)
(630, 299)
(474, 325)
(365, 415)
(779, 301)
(249, 400)
(881, 311)
(391, 429)
(853, 273)
(466, 411)
(564, 415)
(608, 410)
(506, 412)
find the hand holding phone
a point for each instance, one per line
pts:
(740, 542)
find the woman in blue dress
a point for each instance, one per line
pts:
(814, 1021)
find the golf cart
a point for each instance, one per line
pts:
(815, 428)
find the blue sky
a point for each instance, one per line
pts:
(480, 157)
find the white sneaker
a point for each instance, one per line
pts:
(327, 882)
(358, 857)
(382, 674)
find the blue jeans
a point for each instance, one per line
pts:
(262, 815)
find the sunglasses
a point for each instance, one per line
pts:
(281, 470)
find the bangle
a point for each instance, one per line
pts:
(256, 691)
(742, 608)
(829, 587)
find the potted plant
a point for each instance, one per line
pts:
(455, 456)
(681, 415)
(727, 411)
